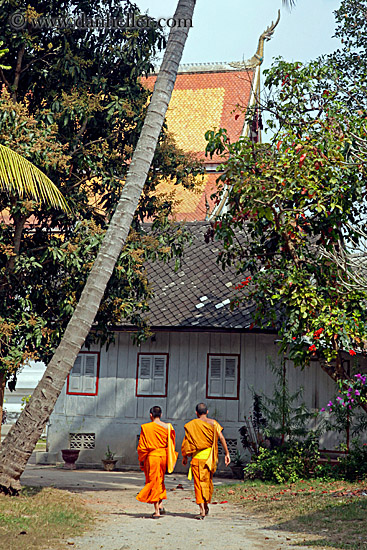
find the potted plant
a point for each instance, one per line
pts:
(109, 461)
(237, 465)
(70, 456)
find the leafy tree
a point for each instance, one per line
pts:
(20, 441)
(349, 61)
(286, 418)
(72, 103)
(286, 198)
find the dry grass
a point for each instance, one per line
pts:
(331, 514)
(40, 518)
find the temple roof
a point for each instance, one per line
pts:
(209, 96)
(206, 97)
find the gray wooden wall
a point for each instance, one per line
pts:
(115, 414)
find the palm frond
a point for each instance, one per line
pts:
(19, 176)
(2, 53)
(289, 3)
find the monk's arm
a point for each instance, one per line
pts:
(185, 450)
(142, 448)
(227, 458)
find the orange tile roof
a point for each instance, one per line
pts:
(191, 205)
(203, 101)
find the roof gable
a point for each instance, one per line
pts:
(204, 101)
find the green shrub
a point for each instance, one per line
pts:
(288, 463)
(353, 465)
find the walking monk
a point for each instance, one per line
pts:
(201, 443)
(156, 452)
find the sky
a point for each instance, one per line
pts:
(229, 30)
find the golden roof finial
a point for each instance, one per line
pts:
(258, 58)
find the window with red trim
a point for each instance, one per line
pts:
(83, 377)
(151, 376)
(222, 381)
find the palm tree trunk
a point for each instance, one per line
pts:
(22, 438)
(2, 391)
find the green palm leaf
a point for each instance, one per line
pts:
(21, 177)
(2, 53)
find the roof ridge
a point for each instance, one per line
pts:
(206, 67)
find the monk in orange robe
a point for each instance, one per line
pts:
(156, 452)
(201, 443)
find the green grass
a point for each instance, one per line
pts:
(41, 444)
(330, 515)
(39, 518)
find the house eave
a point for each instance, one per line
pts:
(194, 328)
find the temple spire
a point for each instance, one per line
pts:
(258, 58)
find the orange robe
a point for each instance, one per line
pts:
(156, 450)
(200, 435)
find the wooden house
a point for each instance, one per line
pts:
(200, 351)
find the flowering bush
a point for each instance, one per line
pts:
(352, 393)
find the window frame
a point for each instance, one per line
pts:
(228, 398)
(70, 392)
(137, 394)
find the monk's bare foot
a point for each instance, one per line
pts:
(202, 511)
(156, 513)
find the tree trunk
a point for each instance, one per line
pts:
(2, 391)
(22, 438)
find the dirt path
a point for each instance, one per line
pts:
(123, 523)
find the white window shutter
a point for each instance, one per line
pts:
(215, 376)
(77, 367)
(159, 376)
(75, 377)
(145, 374)
(230, 377)
(90, 373)
(152, 374)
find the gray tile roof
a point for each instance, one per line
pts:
(199, 293)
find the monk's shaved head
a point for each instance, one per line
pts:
(156, 412)
(201, 408)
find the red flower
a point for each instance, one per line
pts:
(317, 333)
(352, 352)
(312, 348)
(294, 338)
(302, 159)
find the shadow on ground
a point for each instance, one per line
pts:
(342, 525)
